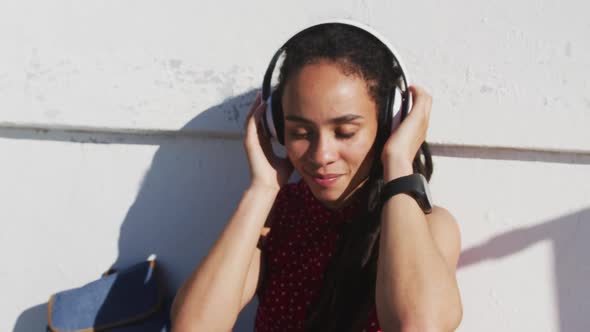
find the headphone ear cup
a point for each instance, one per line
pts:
(276, 110)
(269, 128)
(386, 116)
(396, 108)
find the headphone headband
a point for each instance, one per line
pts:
(398, 104)
(266, 85)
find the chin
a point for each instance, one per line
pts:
(329, 195)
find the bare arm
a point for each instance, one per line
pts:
(416, 288)
(256, 272)
(226, 279)
(416, 285)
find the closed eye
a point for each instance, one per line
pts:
(298, 135)
(306, 135)
(345, 135)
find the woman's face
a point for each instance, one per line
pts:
(330, 128)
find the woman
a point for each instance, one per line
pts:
(329, 259)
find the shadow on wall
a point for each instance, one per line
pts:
(195, 183)
(189, 192)
(568, 235)
(186, 198)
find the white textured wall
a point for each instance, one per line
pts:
(120, 128)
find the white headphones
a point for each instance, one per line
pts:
(399, 101)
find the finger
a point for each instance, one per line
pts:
(418, 94)
(414, 127)
(252, 122)
(422, 103)
(427, 97)
(254, 129)
(254, 106)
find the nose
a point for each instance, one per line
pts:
(323, 151)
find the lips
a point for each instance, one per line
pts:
(325, 176)
(325, 180)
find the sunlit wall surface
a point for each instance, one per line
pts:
(121, 127)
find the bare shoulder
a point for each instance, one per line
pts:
(442, 214)
(446, 234)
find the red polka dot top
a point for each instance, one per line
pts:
(297, 250)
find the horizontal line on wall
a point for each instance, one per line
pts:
(510, 153)
(36, 129)
(97, 135)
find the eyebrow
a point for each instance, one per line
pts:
(338, 120)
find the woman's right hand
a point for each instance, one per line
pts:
(266, 169)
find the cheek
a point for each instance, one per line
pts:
(355, 155)
(360, 152)
(295, 151)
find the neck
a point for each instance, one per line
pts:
(346, 200)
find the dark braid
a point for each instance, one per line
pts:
(348, 290)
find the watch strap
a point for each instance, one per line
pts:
(412, 185)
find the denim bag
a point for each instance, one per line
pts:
(129, 300)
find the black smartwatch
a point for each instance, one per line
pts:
(414, 185)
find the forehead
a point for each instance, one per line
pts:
(323, 90)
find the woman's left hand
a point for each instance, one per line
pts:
(401, 147)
